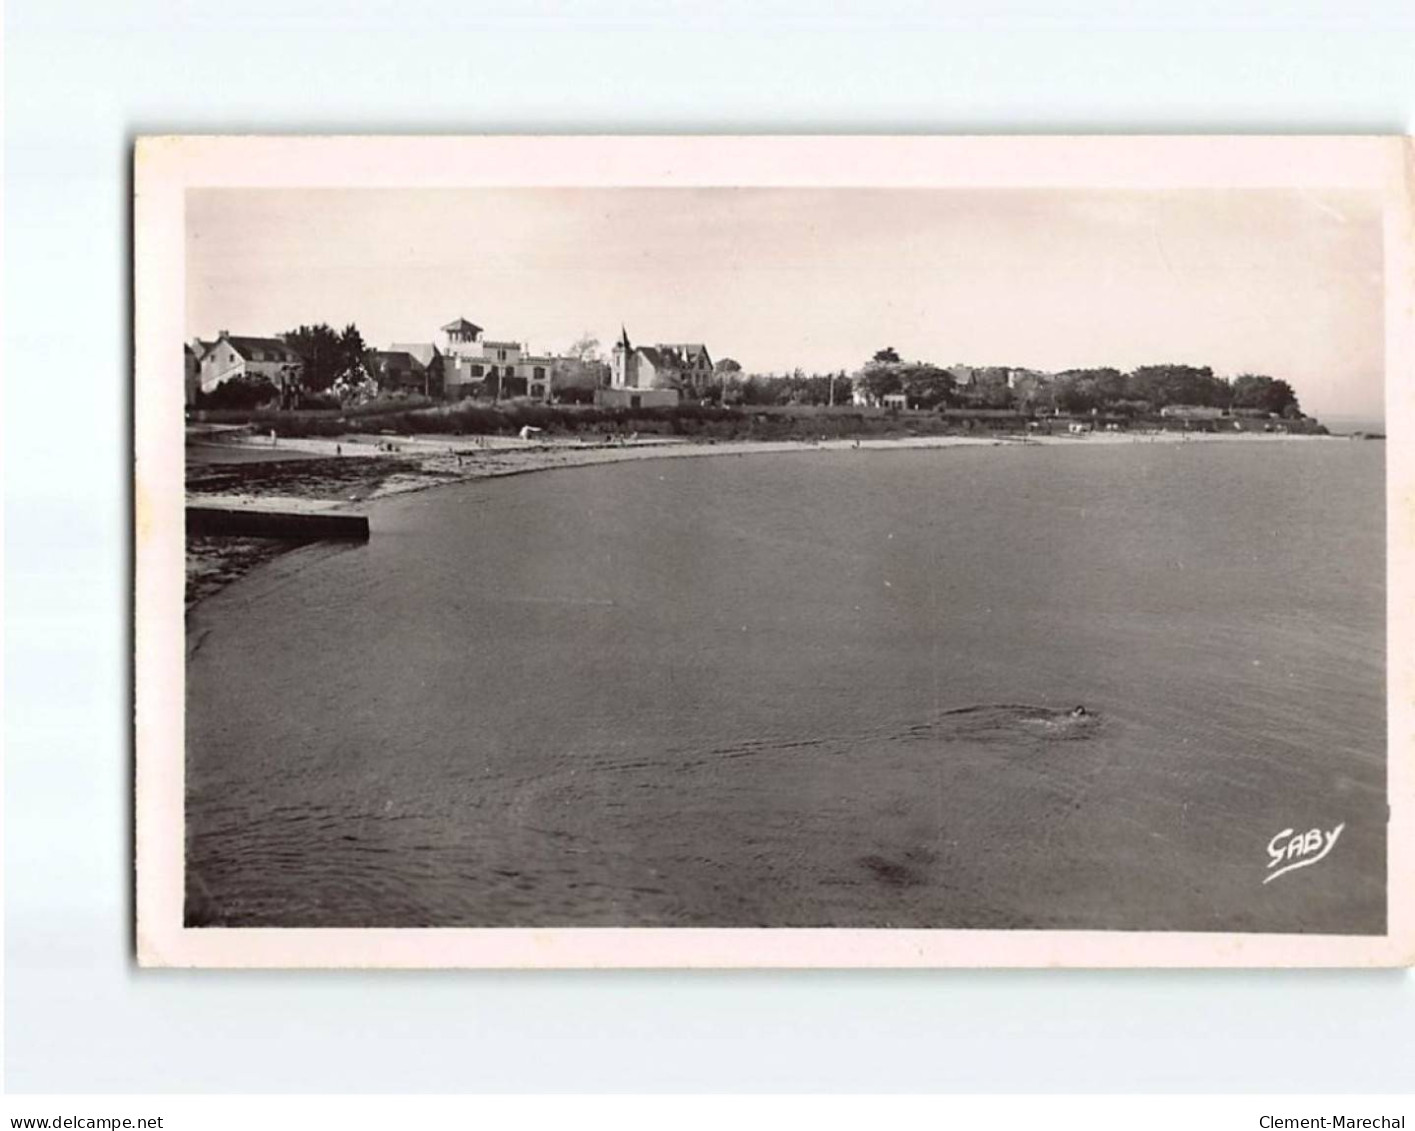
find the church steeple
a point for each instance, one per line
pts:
(625, 367)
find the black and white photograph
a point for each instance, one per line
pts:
(698, 564)
(916, 563)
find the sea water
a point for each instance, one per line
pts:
(813, 689)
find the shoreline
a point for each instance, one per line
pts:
(444, 461)
(354, 473)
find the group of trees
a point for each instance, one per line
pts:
(797, 387)
(732, 386)
(929, 386)
(1152, 387)
(1148, 388)
(330, 356)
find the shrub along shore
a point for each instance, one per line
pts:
(418, 416)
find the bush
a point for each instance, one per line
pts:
(245, 391)
(317, 402)
(689, 421)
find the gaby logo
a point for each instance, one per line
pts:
(1290, 850)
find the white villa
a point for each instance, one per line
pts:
(505, 368)
(233, 355)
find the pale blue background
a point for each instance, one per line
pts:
(83, 78)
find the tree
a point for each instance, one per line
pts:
(354, 389)
(1251, 390)
(1100, 387)
(321, 349)
(1082, 390)
(926, 386)
(1034, 392)
(1073, 394)
(887, 354)
(1179, 384)
(723, 388)
(774, 389)
(585, 348)
(352, 353)
(990, 388)
(877, 380)
(824, 388)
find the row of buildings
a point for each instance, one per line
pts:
(464, 363)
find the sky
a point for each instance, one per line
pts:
(1281, 282)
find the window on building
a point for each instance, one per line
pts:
(476, 370)
(539, 373)
(500, 355)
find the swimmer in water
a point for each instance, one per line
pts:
(1078, 712)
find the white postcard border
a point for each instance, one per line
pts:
(166, 167)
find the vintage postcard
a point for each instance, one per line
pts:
(774, 551)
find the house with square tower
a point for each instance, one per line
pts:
(473, 364)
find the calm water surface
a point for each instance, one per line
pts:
(824, 688)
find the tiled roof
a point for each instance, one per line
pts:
(690, 350)
(659, 358)
(248, 347)
(500, 345)
(425, 352)
(398, 359)
(462, 324)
